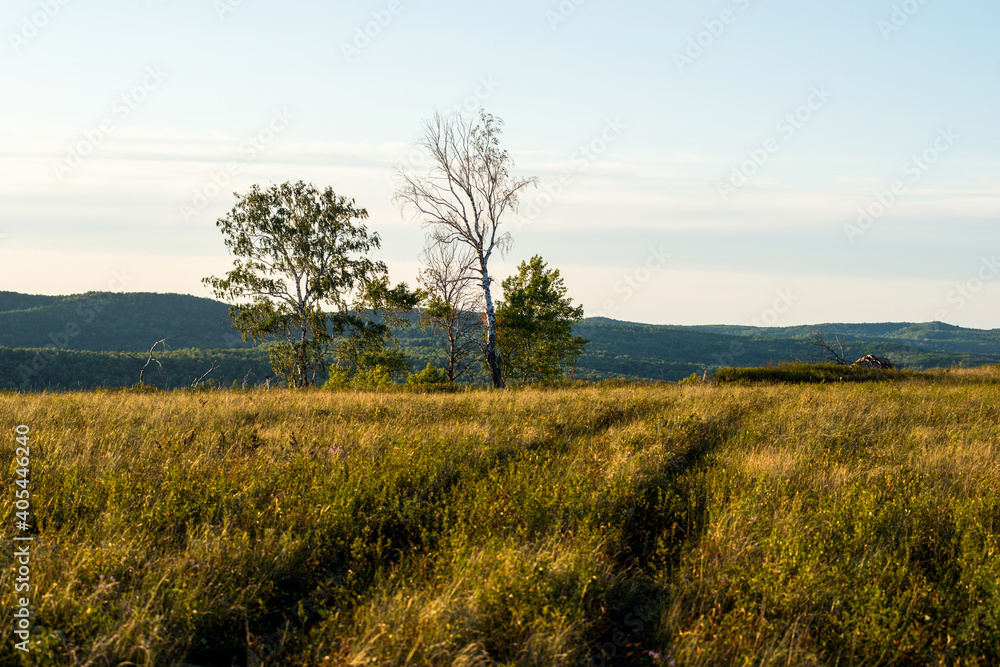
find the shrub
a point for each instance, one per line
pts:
(338, 379)
(376, 377)
(690, 379)
(796, 373)
(432, 376)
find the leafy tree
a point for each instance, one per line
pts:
(465, 199)
(303, 277)
(535, 324)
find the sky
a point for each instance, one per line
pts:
(768, 162)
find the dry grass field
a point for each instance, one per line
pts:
(703, 524)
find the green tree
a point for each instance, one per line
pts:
(303, 278)
(535, 324)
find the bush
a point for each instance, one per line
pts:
(338, 379)
(430, 377)
(690, 379)
(376, 377)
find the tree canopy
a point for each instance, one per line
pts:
(304, 279)
(535, 325)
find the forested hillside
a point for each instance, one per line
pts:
(927, 335)
(40, 369)
(113, 322)
(103, 340)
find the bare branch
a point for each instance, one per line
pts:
(194, 385)
(831, 352)
(152, 359)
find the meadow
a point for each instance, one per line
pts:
(742, 523)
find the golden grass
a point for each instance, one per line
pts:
(705, 524)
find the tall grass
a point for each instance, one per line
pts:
(640, 524)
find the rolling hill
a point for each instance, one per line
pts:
(114, 322)
(103, 339)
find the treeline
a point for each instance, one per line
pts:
(25, 369)
(934, 336)
(616, 350)
(619, 349)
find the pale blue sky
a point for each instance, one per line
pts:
(199, 79)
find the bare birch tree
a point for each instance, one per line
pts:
(454, 304)
(465, 199)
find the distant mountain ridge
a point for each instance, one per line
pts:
(11, 301)
(644, 346)
(125, 325)
(927, 335)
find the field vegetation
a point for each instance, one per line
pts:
(740, 523)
